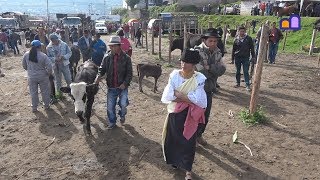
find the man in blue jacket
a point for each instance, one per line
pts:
(84, 44)
(99, 48)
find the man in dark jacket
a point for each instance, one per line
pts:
(242, 47)
(14, 38)
(275, 36)
(118, 68)
(138, 36)
(212, 67)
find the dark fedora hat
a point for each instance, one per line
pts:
(211, 32)
(191, 56)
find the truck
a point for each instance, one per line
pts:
(68, 22)
(9, 23)
(77, 20)
(17, 20)
(177, 20)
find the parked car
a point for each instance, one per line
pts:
(101, 28)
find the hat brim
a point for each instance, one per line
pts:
(207, 36)
(115, 43)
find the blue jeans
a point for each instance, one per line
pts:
(14, 46)
(3, 48)
(257, 48)
(60, 69)
(245, 63)
(112, 100)
(273, 49)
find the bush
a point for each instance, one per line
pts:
(257, 117)
(120, 11)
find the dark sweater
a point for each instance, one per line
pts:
(242, 49)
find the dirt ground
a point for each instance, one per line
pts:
(52, 144)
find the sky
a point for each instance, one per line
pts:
(39, 7)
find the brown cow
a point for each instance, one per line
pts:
(149, 70)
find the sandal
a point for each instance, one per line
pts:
(188, 176)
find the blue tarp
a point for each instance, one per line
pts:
(166, 17)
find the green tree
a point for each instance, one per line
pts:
(132, 3)
(120, 11)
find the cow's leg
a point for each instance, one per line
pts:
(71, 71)
(89, 103)
(53, 89)
(140, 81)
(155, 88)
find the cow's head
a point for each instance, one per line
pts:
(177, 44)
(80, 92)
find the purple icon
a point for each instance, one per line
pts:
(292, 23)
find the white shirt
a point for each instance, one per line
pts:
(198, 97)
(87, 41)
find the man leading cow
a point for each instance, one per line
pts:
(118, 68)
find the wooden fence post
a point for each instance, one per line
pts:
(160, 34)
(180, 26)
(224, 37)
(170, 42)
(147, 39)
(210, 24)
(258, 70)
(314, 33)
(285, 40)
(152, 40)
(185, 35)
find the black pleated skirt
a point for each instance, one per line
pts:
(178, 150)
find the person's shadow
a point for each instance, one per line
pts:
(120, 149)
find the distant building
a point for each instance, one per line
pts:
(142, 4)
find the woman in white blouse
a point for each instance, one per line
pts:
(186, 101)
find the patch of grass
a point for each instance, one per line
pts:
(295, 39)
(249, 119)
(167, 65)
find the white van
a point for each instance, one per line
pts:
(101, 28)
(153, 22)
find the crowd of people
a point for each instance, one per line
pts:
(189, 91)
(56, 49)
(263, 8)
(9, 40)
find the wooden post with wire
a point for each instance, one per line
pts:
(152, 39)
(314, 33)
(185, 33)
(285, 40)
(146, 39)
(210, 24)
(170, 42)
(225, 36)
(258, 70)
(160, 34)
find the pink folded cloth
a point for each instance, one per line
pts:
(194, 117)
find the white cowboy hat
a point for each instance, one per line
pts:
(114, 40)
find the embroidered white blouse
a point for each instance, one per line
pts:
(198, 97)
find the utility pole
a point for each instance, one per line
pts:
(48, 15)
(147, 4)
(104, 7)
